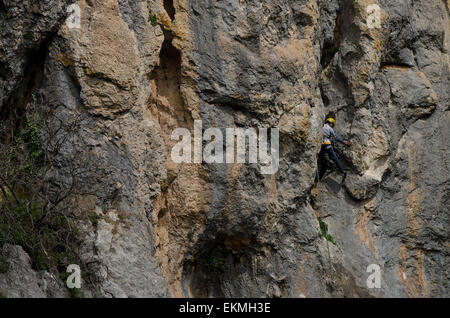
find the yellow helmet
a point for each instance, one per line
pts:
(331, 121)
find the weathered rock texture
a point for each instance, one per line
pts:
(210, 230)
(21, 281)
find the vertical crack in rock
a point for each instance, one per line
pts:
(170, 9)
(33, 75)
(165, 81)
(3, 71)
(180, 208)
(331, 48)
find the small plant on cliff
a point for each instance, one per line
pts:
(191, 236)
(94, 219)
(327, 236)
(324, 231)
(152, 18)
(215, 264)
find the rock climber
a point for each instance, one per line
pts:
(327, 148)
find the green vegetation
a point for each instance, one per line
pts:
(105, 209)
(2, 294)
(36, 213)
(28, 216)
(28, 140)
(215, 264)
(324, 231)
(94, 219)
(73, 292)
(76, 293)
(43, 236)
(4, 265)
(121, 217)
(152, 18)
(191, 236)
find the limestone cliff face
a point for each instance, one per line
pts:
(118, 85)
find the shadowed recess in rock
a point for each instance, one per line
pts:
(31, 81)
(170, 9)
(3, 71)
(331, 47)
(205, 272)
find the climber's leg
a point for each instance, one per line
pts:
(335, 159)
(320, 163)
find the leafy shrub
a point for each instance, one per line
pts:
(28, 217)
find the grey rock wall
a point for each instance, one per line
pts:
(119, 85)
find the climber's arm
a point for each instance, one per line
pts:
(337, 137)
